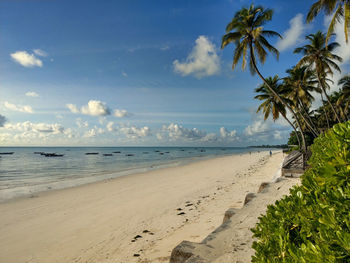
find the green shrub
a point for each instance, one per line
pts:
(312, 224)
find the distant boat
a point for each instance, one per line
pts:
(107, 154)
(117, 152)
(91, 153)
(129, 154)
(8, 153)
(53, 155)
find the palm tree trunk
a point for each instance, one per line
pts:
(328, 99)
(308, 121)
(277, 96)
(325, 112)
(295, 130)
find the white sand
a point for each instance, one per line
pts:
(97, 222)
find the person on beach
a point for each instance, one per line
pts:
(270, 153)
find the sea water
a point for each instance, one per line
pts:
(25, 173)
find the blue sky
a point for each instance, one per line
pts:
(131, 73)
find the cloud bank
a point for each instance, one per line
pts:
(13, 107)
(36, 127)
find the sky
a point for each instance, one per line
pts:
(138, 73)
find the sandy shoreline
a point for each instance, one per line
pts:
(98, 222)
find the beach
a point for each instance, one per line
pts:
(134, 218)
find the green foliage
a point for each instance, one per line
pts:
(312, 224)
(294, 141)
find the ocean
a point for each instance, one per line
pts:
(26, 172)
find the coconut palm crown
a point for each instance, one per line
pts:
(270, 104)
(340, 10)
(318, 55)
(247, 33)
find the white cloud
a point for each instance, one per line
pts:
(40, 52)
(121, 113)
(98, 108)
(176, 131)
(26, 59)
(81, 124)
(110, 127)
(100, 130)
(265, 131)
(102, 120)
(93, 108)
(210, 137)
(277, 135)
(294, 33)
(32, 94)
(90, 133)
(201, 62)
(69, 133)
(179, 134)
(2, 120)
(224, 133)
(20, 108)
(258, 127)
(135, 132)
(4, 137)
(73, 108)
(124, 74)
(28, 126)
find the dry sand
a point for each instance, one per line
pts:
(99, 221)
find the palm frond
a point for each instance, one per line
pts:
(335, 19)
(228, 38)
(313, 12)
(346, 20)
(271, 33)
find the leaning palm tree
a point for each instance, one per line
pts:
(318, 56)
(342, 12)
(271, 104)
(246, 31)
(299, 83)
(345, 95)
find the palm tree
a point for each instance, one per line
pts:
(345, 95)
(271, 104)
(246, 31)
(342, 11)
(318, 55)
(299, 84)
